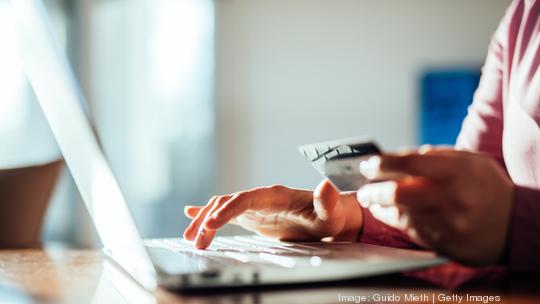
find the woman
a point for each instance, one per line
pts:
(478, 203)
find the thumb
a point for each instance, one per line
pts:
(325, 198)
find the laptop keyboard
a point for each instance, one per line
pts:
(239, 250)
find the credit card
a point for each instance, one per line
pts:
(339, 160)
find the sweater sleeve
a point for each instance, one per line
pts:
(482, 132)
(482, 129)
(376, 232)
(523, 243)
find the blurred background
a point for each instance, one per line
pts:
(193, 98)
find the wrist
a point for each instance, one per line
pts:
(354, 219)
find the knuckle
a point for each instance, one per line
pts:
(214, 203)
(240, 195)
(276, 188)
(464, 200)
(461, 226)
(220, 200)
(213, 199)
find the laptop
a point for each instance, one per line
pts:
(173, 263)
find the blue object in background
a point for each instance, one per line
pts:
(445, 97)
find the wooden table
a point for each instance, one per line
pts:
(84, 276)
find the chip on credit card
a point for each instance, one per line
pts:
(339, 160)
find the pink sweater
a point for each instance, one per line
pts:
(503, 121)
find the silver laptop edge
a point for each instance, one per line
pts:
(54, 84)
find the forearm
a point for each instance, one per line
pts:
(523, 243)
(24, 196)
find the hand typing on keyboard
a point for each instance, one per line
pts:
(279, 212)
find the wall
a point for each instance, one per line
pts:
(294, 72)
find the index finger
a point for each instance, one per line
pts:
(436, 166)
(192, 211)
(231, 209)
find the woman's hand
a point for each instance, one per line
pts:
(456, 202)
(279, 212)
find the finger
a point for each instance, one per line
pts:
(439, 149)
(382, 193)
(418, 194)
(325, 198)
(371, 169)
(431, 165)
(413, 234)
(204, 235)
(191, 231)
(411, 193)
(231, 209)
(192, 211)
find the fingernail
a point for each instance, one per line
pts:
(424, 149)
(199, 238)
(362, 196)
(370, 168)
